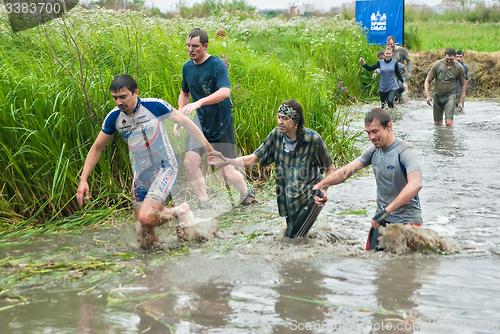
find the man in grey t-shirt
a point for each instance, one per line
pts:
(397, 173)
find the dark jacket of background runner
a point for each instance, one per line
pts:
(466, 71)
(400, 55)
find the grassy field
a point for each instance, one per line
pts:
(481, 37)
(54, 96)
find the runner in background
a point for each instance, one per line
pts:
(460, 58)
(389, 69)
(400, 54)
(446, 72)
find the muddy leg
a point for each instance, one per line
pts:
(181, 212)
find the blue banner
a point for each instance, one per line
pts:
(381, 18)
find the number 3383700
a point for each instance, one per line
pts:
(32, 8)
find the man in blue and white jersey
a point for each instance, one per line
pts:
(397, 172)
(140, 122)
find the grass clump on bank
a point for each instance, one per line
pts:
(54, 83)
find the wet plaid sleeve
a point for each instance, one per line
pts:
(266, 151)
(323, 155)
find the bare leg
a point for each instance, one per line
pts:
(192, 162)
(236, 179)
(146, 235)
(181, 212)
(449, 122)
(152, 214)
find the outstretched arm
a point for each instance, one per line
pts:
(191, 128)
(320, 201)
(244, 161)
(340, 175)
(92, 158)
(371, 68)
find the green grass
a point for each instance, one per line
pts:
(54, 96)
(483, 37)
(361, 212)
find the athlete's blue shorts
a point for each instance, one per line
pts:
(153, 184)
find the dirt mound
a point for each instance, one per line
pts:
(484, 72)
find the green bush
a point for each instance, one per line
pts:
(412, 37)
(409, 15)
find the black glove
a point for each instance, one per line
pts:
(316, 192)
(380, 216)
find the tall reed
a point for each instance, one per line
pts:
(54, 96)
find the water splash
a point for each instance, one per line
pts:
(399, 238)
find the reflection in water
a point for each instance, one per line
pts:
(206, 306)
(397, 283)
(211, 305)
(299, 280)
(448, 141)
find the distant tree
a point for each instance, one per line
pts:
(136, 4)
(155, 11)
(464, 3)
(121, 4)
(212, 7)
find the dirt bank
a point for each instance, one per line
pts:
(484, 72)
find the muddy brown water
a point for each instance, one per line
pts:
(231, 284)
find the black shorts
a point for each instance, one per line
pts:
(225, 144)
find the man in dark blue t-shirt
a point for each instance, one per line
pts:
(205, 78)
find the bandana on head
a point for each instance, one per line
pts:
(289, 112)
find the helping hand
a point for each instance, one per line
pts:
(188, 108)
(321, 201)
(216, 159)
(177, 129)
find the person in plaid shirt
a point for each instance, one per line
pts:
(301, 157)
